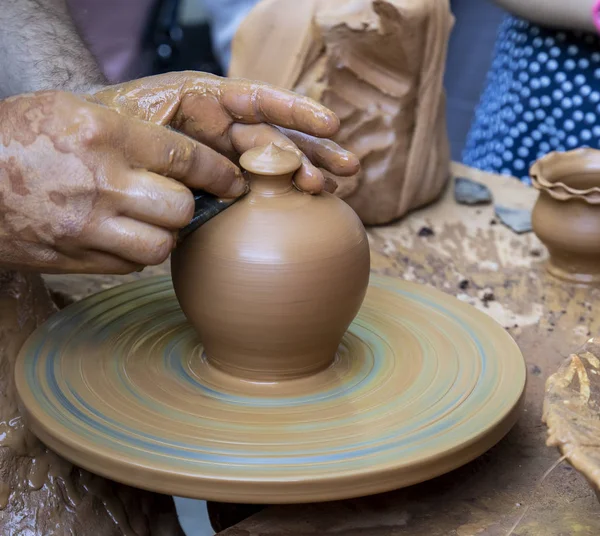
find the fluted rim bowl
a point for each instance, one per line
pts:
(553, 172)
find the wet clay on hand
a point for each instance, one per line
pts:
(379, 66)
(234, 115)
(272, 283)
(566, 216)
(86, 189)
(98, 185)
(41, 494)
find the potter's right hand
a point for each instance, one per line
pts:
(234, 115)
(85, 189)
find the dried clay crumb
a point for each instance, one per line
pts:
(488, 297)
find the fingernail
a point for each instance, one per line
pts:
(238, 188)
(353, 162)
(344, 163)
(335, 120)
(332, 124)
(330, 185)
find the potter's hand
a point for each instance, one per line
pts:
(234, 115)
(85, 189)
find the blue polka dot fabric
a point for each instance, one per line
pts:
(542, 94)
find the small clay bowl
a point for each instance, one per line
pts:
(566, 216)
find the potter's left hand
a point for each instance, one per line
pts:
(234, 115)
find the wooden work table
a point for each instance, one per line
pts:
(472, 256)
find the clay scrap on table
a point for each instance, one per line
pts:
(378, 64)
(516, 219)
(572, 411)
(468, 192)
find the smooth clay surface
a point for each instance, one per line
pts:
(273, 282)
(421, 384)
(566, 216)
(379, 65)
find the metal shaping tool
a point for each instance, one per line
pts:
(207, 206)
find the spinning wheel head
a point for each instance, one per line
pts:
(421, 383)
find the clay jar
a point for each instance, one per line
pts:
(566, 216)
(272, 283)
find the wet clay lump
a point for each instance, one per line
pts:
(41, 493)
(272, 283)
(571, 410)
(566, 216)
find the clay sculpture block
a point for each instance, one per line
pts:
(379, 65)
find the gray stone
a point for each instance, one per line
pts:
(468, 192)
(517, 219)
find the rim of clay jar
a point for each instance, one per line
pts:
(549, 172)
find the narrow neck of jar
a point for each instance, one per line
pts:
(271, 184)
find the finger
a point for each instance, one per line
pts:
(244, 137)
(166, 152)
(98, 262)
(46, 259)
(248, 101)
(310, 179)
(325, 154)
(157, 200)
(131, 240)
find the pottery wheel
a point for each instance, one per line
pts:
(422, 384)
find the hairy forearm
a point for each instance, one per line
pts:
(42, 50)
(561, 14)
